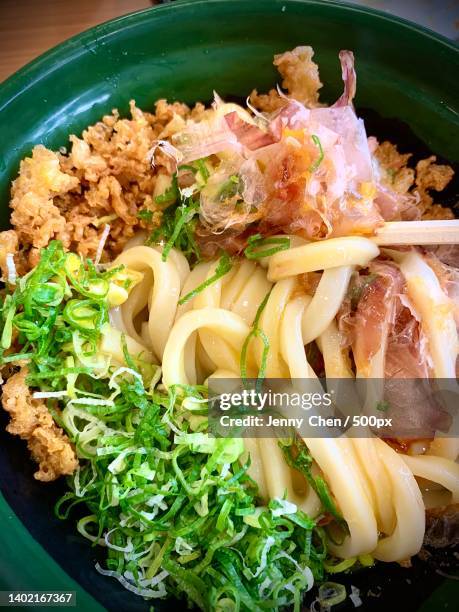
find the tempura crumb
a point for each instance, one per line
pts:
(430, 175)
(8, 245)
(267, 103)
(300, 75)
(35, 217)
(31, 420)
(396, 172)
(417, 182)
(438, 212)
(105, 178)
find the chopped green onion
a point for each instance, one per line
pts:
(223, 267)
(50, 294)
(341, 566)
(256, 332)
(257, 242)
(198, 166)
(202, 169)
(188, 167)
(171, 194)
(230, 188)
(85, 315)
(186, 215)
(145, 215)
(57, 373)
(316, 140)
(331, 594)
(302, 461)
(10, 307)
(17, 357)
(87, 281)
(177, 230)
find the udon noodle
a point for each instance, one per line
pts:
(375, 487)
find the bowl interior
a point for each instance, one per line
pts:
(184, 52)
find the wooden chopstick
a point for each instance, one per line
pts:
(418, 232)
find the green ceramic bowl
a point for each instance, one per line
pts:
(184, 51)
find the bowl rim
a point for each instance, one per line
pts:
(65, 51)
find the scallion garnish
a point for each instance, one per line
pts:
(316, 140)
(223, 267)
(256, 332)
(256, 248)
(62, 296)
(230, 188)
(176, 509)
(198, 166)
(202, 169)
(177, 230)
(186, 214)
(298, 456)
(145, 215)
(171, 195)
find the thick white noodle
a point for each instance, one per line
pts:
(436, 310)
(327, 299)
(373, 487)
(316, 256)
(159, 292)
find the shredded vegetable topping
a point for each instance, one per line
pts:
(60, 305)
(176, 511)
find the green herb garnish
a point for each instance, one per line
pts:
(230, 188)
(223, 267)
(298, 456)
(256, 332)
(182, 503)
(198, 166)
(202, 169)
(58, 309)
(145, 215)
(171, 195)
(256, 248)
(177, 230)
(314, 166)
